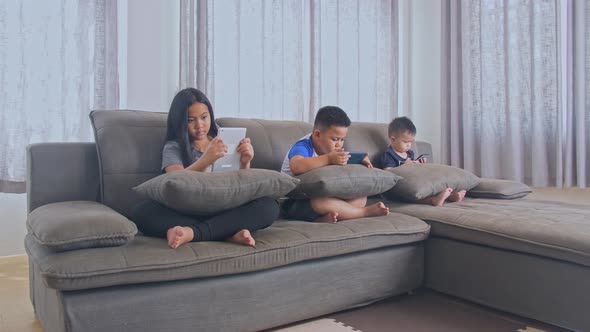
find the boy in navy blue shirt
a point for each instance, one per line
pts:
(402, 134)
(323, 147)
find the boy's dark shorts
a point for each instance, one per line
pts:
(299, 209)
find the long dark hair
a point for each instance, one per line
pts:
(178, 120)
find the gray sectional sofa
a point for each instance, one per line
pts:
(525, 257)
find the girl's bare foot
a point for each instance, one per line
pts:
(377, 209)
(179, 235)
(457, 196)
(243, 237)
(439, 199)
(331, 217)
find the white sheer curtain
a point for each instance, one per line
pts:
(278, 59)
(58, 61)
(577, 154)
(502, 116)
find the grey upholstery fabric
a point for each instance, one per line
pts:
(201, 193)
(58, 172)
(48, 302)
(148, 259)
(550, 229)
(346, 182)
(79, 224)
(129, 145)
(534, 286)
(244, 302)
(500, 189)
(426, 180)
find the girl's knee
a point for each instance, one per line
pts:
(267, 209)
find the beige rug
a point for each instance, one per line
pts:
(423, 311)
(320, 325)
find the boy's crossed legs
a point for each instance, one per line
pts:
(447, 194)
(333, 209)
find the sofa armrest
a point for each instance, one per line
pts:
(58, 172)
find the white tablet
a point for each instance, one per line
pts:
(231, 161)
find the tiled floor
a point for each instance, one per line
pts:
(16, 313)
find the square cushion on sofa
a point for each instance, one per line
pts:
(79, 224)
(346, 182)
(425, 180)
(500, 189)
(201, 193)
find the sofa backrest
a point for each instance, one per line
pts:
(129, 146)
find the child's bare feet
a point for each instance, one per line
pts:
(243, 237)
(377, 209)
(457, 196)
(179, 235)
(439, 199)
(331, 217)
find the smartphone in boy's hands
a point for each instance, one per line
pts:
(421, 156)
(356, 157)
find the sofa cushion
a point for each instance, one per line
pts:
(201, 193)
(346, 182)
(548, 229)
(425, 180)
(148, 259)
(500, 189)
(79, 224)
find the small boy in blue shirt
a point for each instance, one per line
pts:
(323, 147)
(402, 134)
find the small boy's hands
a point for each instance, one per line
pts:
(245, 150)
(367, 162)
(410, 162)
(338, 157)
(215, 150)
(422, 160)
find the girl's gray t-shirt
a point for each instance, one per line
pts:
(171, 155)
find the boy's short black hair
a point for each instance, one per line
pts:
(328, 116)
(401, 125)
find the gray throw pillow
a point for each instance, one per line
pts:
(425, 180)
(345, 182)
(79, 224)
(201, 193)
(500, 189)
